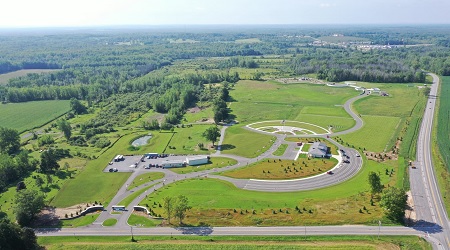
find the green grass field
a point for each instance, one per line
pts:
(400, 102)
(4, 78)
(280, 150)
(275, 101)
(375, 135)
(185, 141)
(88, 179)
(109, 222)
(239, 141)
(80, 221)
(29, 115)
(215, 162)
(127, 200)
(213, 202)
(144, 178)
(142, 221)
(50, 189)
(235, 242)
(269, 169)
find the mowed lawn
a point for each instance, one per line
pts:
(185, 141)
(28, 115)
(400, 102)
(240, 141)
(375, 134)
(92, 184)
(259, 100)
(214, 201)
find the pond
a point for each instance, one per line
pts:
(141, 141)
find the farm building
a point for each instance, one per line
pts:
(173, 164)
(197, 160)
(318, 150)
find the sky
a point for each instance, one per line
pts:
(83, 13)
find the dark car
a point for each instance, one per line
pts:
(346, 161)
(330, 172)
(111, 170)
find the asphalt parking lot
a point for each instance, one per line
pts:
(124, 165)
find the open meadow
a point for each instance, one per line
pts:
(29, 115)
(375, 135)
(269, 100)
(272, 169)
(220, 203)
(4, 78)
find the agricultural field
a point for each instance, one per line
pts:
(443, 126)
(4, 78)
(375, 135)
(28, 115)
(441, 157)
(272, 169)
(214, 162)
(234, 242)
(219, 203)
(240, 141)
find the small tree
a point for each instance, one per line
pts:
(49, 161)
(169, 207)
(393, 200)
(28, 204)
(211, 134)
(181, 206)
(65, 127)
(375, 183)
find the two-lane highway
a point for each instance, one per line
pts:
(424, 188)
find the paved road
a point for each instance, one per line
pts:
(433, 224)
(427, 198)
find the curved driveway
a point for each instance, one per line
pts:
(434, 226)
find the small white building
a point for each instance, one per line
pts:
(173, 164)
(197, 160)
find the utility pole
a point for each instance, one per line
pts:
(132, 237)
(379, 228)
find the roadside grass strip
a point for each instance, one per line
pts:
(310, 242)
(109, 222)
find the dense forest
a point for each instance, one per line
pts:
(128, 71)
